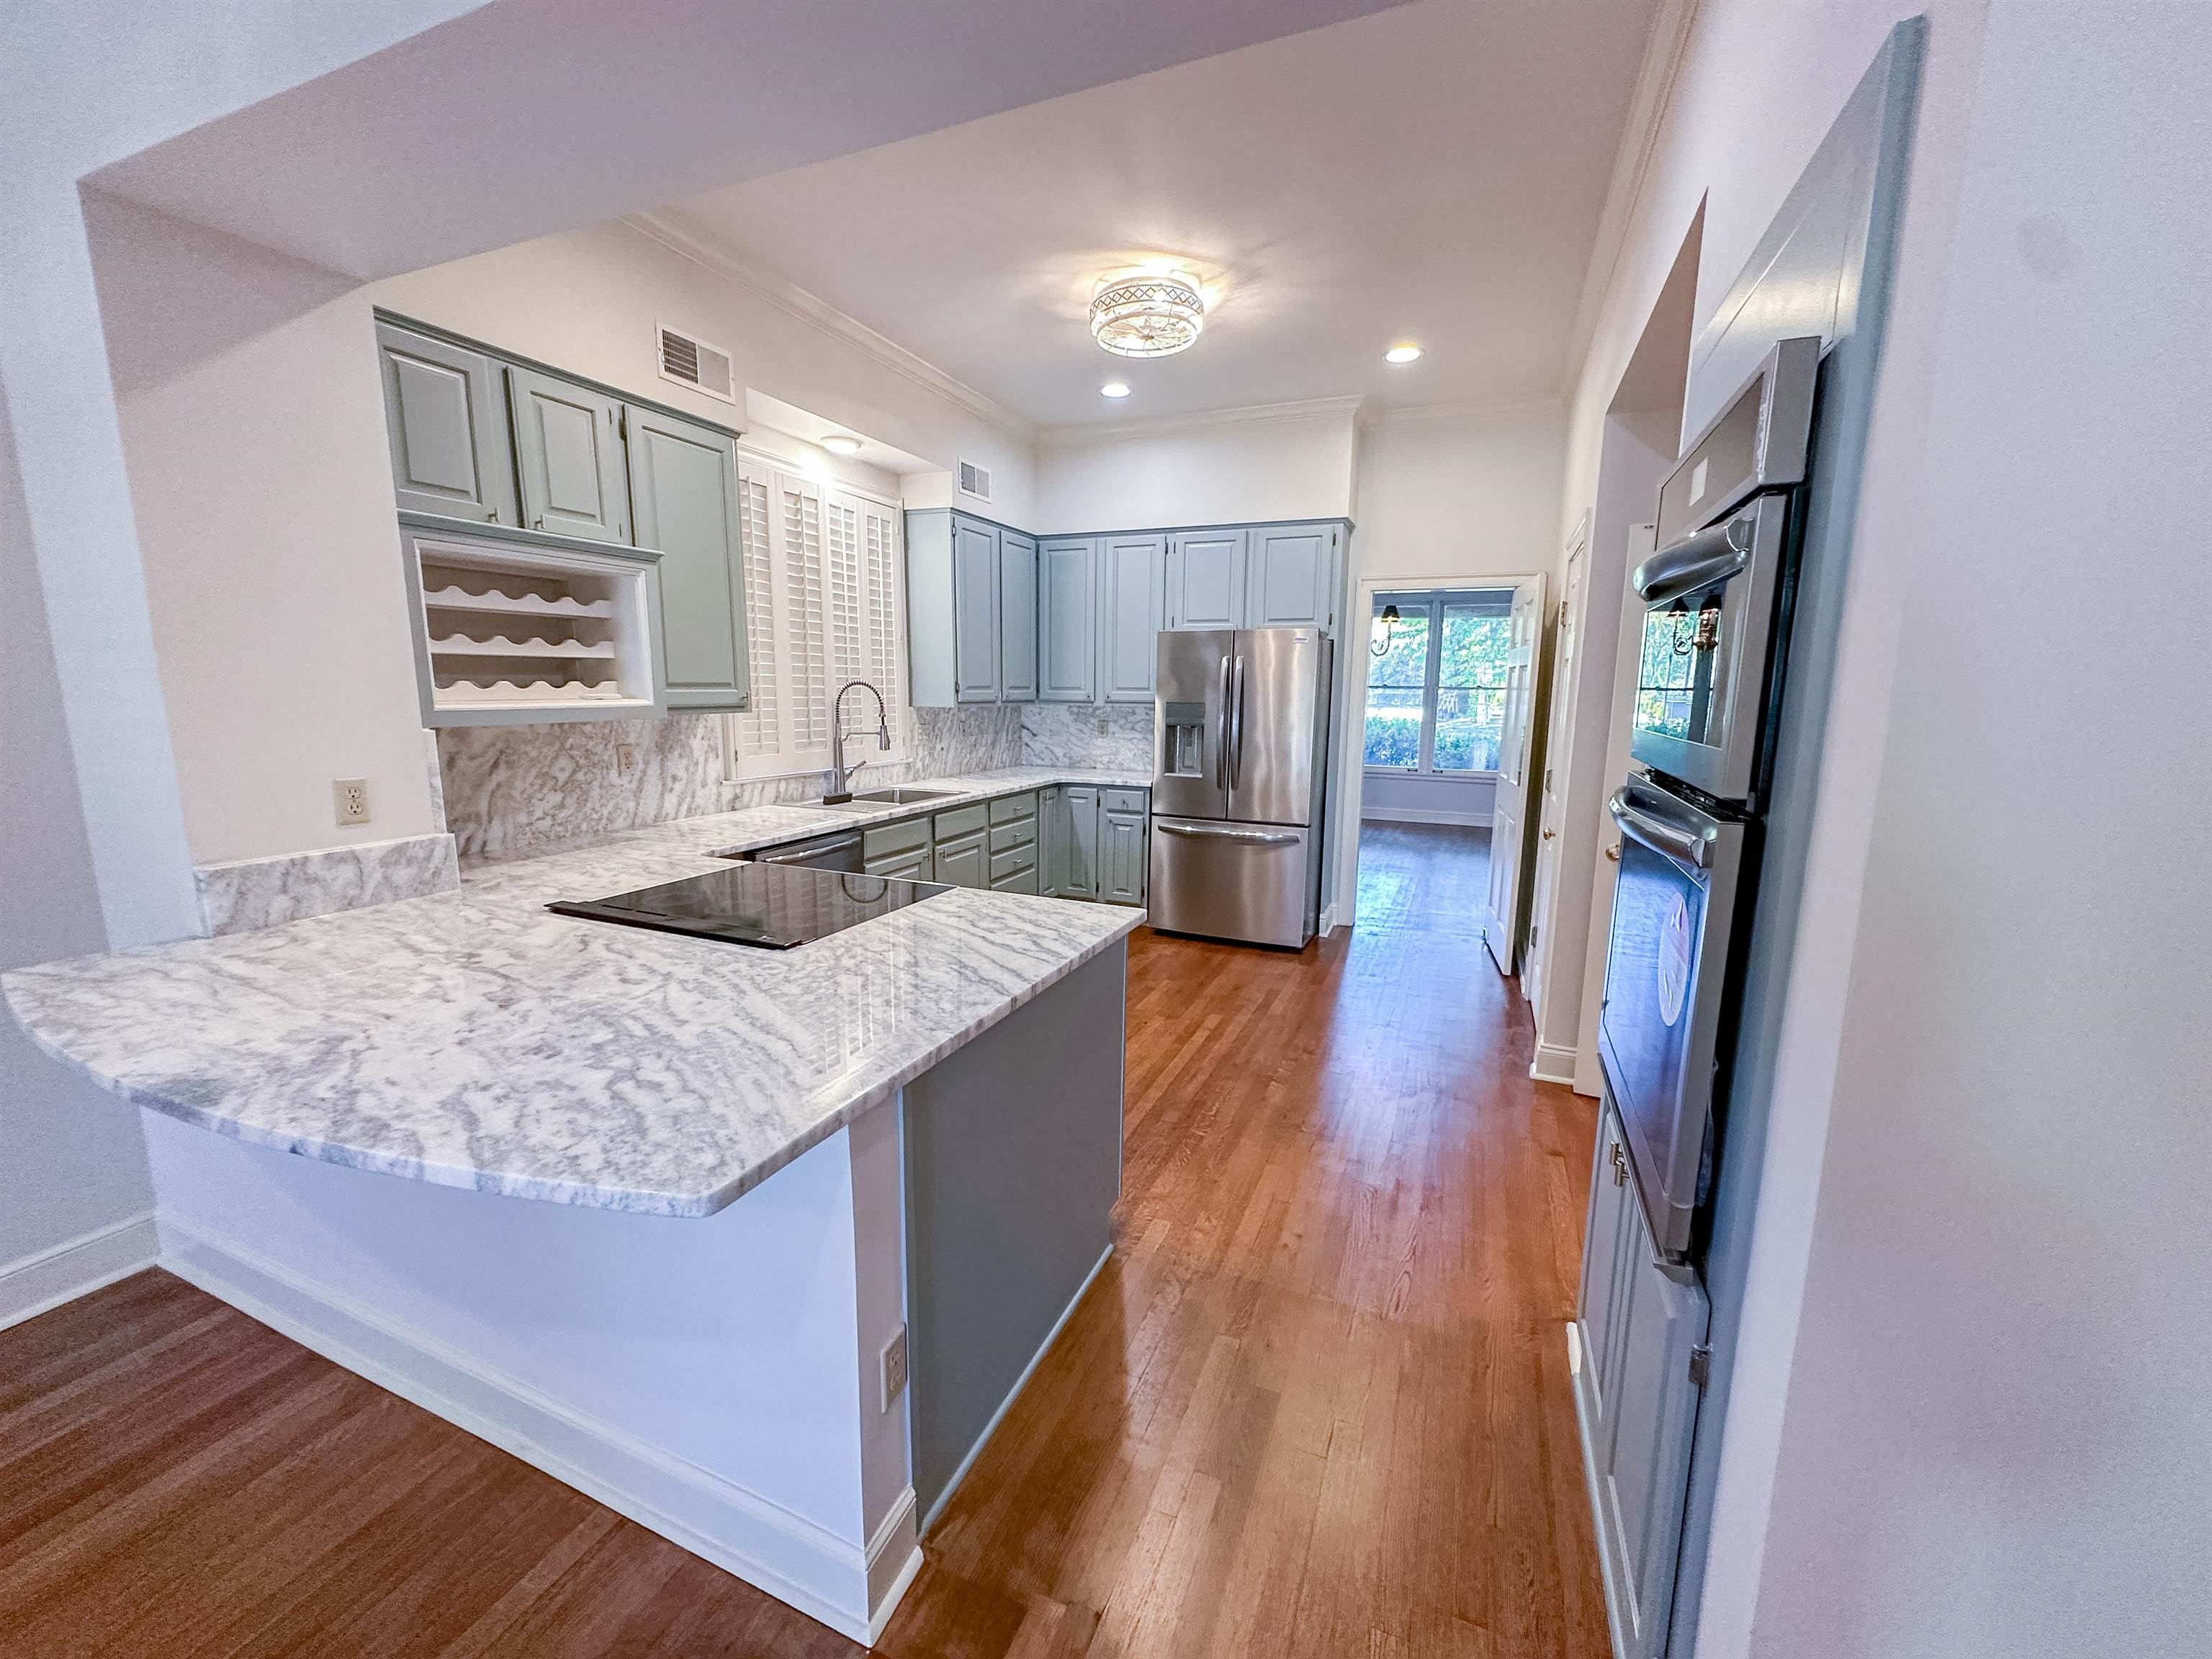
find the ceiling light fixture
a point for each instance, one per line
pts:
(1115, 389)
(1148, 314)
(841, 443)
(1402, 353)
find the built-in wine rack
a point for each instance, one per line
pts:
(508, 632)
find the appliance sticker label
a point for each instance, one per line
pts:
(1673, 959)
(1697, 482)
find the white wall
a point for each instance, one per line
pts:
(1408, 798)
(1996, 1430)
(1295, 461)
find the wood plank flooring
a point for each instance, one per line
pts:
(1318, 1403)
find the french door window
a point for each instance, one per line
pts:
(1435, 681)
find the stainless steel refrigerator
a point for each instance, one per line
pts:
(1240, 753)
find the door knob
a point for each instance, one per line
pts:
(1620, 1167)
(1548, 834)
(1613, 852)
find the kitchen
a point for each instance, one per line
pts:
(1116, 1132)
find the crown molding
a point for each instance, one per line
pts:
(1474, 409)
(1161, 426)
(1647, 109)
(681, 233)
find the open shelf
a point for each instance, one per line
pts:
(584, 652)
(458, 597)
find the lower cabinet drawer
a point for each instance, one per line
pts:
(1009, 809)
(883, 840)
(1021, 832)
(960, 821)
(1018, 881)
(1125, 800)
(1012, 862)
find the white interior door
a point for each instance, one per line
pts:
(1545, 814)
(1501, 926)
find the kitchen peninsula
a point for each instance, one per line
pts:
(671, 1214)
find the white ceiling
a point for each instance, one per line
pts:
(520, 118)
(1434, 172)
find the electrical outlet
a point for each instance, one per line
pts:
(352, 796)
(1105, 727)
(625, 759)
(894, 1367)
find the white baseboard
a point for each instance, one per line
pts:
(1014, 1393)
(30, 1285)
(1424, 815)
(1554, 1063)
(791, 1558)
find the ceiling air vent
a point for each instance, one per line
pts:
(690, 360)
(975, 481)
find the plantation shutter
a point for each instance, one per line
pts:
(807, 641)
(759, 731)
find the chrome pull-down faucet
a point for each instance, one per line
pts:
(839, 787)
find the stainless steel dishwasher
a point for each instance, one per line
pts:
(841, 851)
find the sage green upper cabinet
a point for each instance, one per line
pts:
(1067, 637)
(1291, 576)
(447, 421)
(1130, 578)
(683, 496)
(568, 453)
(1206, 579)
(1017, 618)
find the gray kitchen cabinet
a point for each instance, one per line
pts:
(684, 499)
(1120, 851)
(915, 866)
(1017, 618)
(901, 850)
(1206, 579)
(1052, 838)
(965, 860)
(977, 643)
(1291, 576)
(1131, 589)
(445, 414)
(1641, 1323)
(568, 457)
(1067, 626)
(1078, 852)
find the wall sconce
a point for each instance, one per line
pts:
(1380, 645)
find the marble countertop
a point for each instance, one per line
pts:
(475, 1039)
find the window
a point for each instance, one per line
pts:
(1435, 692)
(825, 581)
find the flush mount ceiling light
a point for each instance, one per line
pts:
(1115, 389)
(841, 443)
(1148, 314)
(1402, 353)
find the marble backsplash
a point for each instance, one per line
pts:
(513, 790)
(1069, 734)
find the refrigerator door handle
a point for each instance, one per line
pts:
(1253, 837)
(1237, 725)
(1221, 734)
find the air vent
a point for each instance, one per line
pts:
(690, 360)
(975, 481)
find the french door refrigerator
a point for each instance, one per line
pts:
(1240, 751)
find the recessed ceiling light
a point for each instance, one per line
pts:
(841, 443)
(1115, 389)
(1402, 353)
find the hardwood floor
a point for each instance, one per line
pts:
(1317, 1404)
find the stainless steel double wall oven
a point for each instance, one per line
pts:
(1715, 599)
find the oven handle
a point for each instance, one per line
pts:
(1695, 562)
(1659, 835)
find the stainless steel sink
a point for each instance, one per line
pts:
(853, 805)
(901, 797)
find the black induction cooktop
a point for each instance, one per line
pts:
(774, 906)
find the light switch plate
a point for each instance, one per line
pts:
(894, 1368)
(350, 796)
(625, 759)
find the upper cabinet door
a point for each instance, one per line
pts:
(1067, 632)
(683, 493)
(1291, 578)
(1131, 575)
(975, 610)
(568, 449)
(1017, 618)
(1206, 579)
(447, 421)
